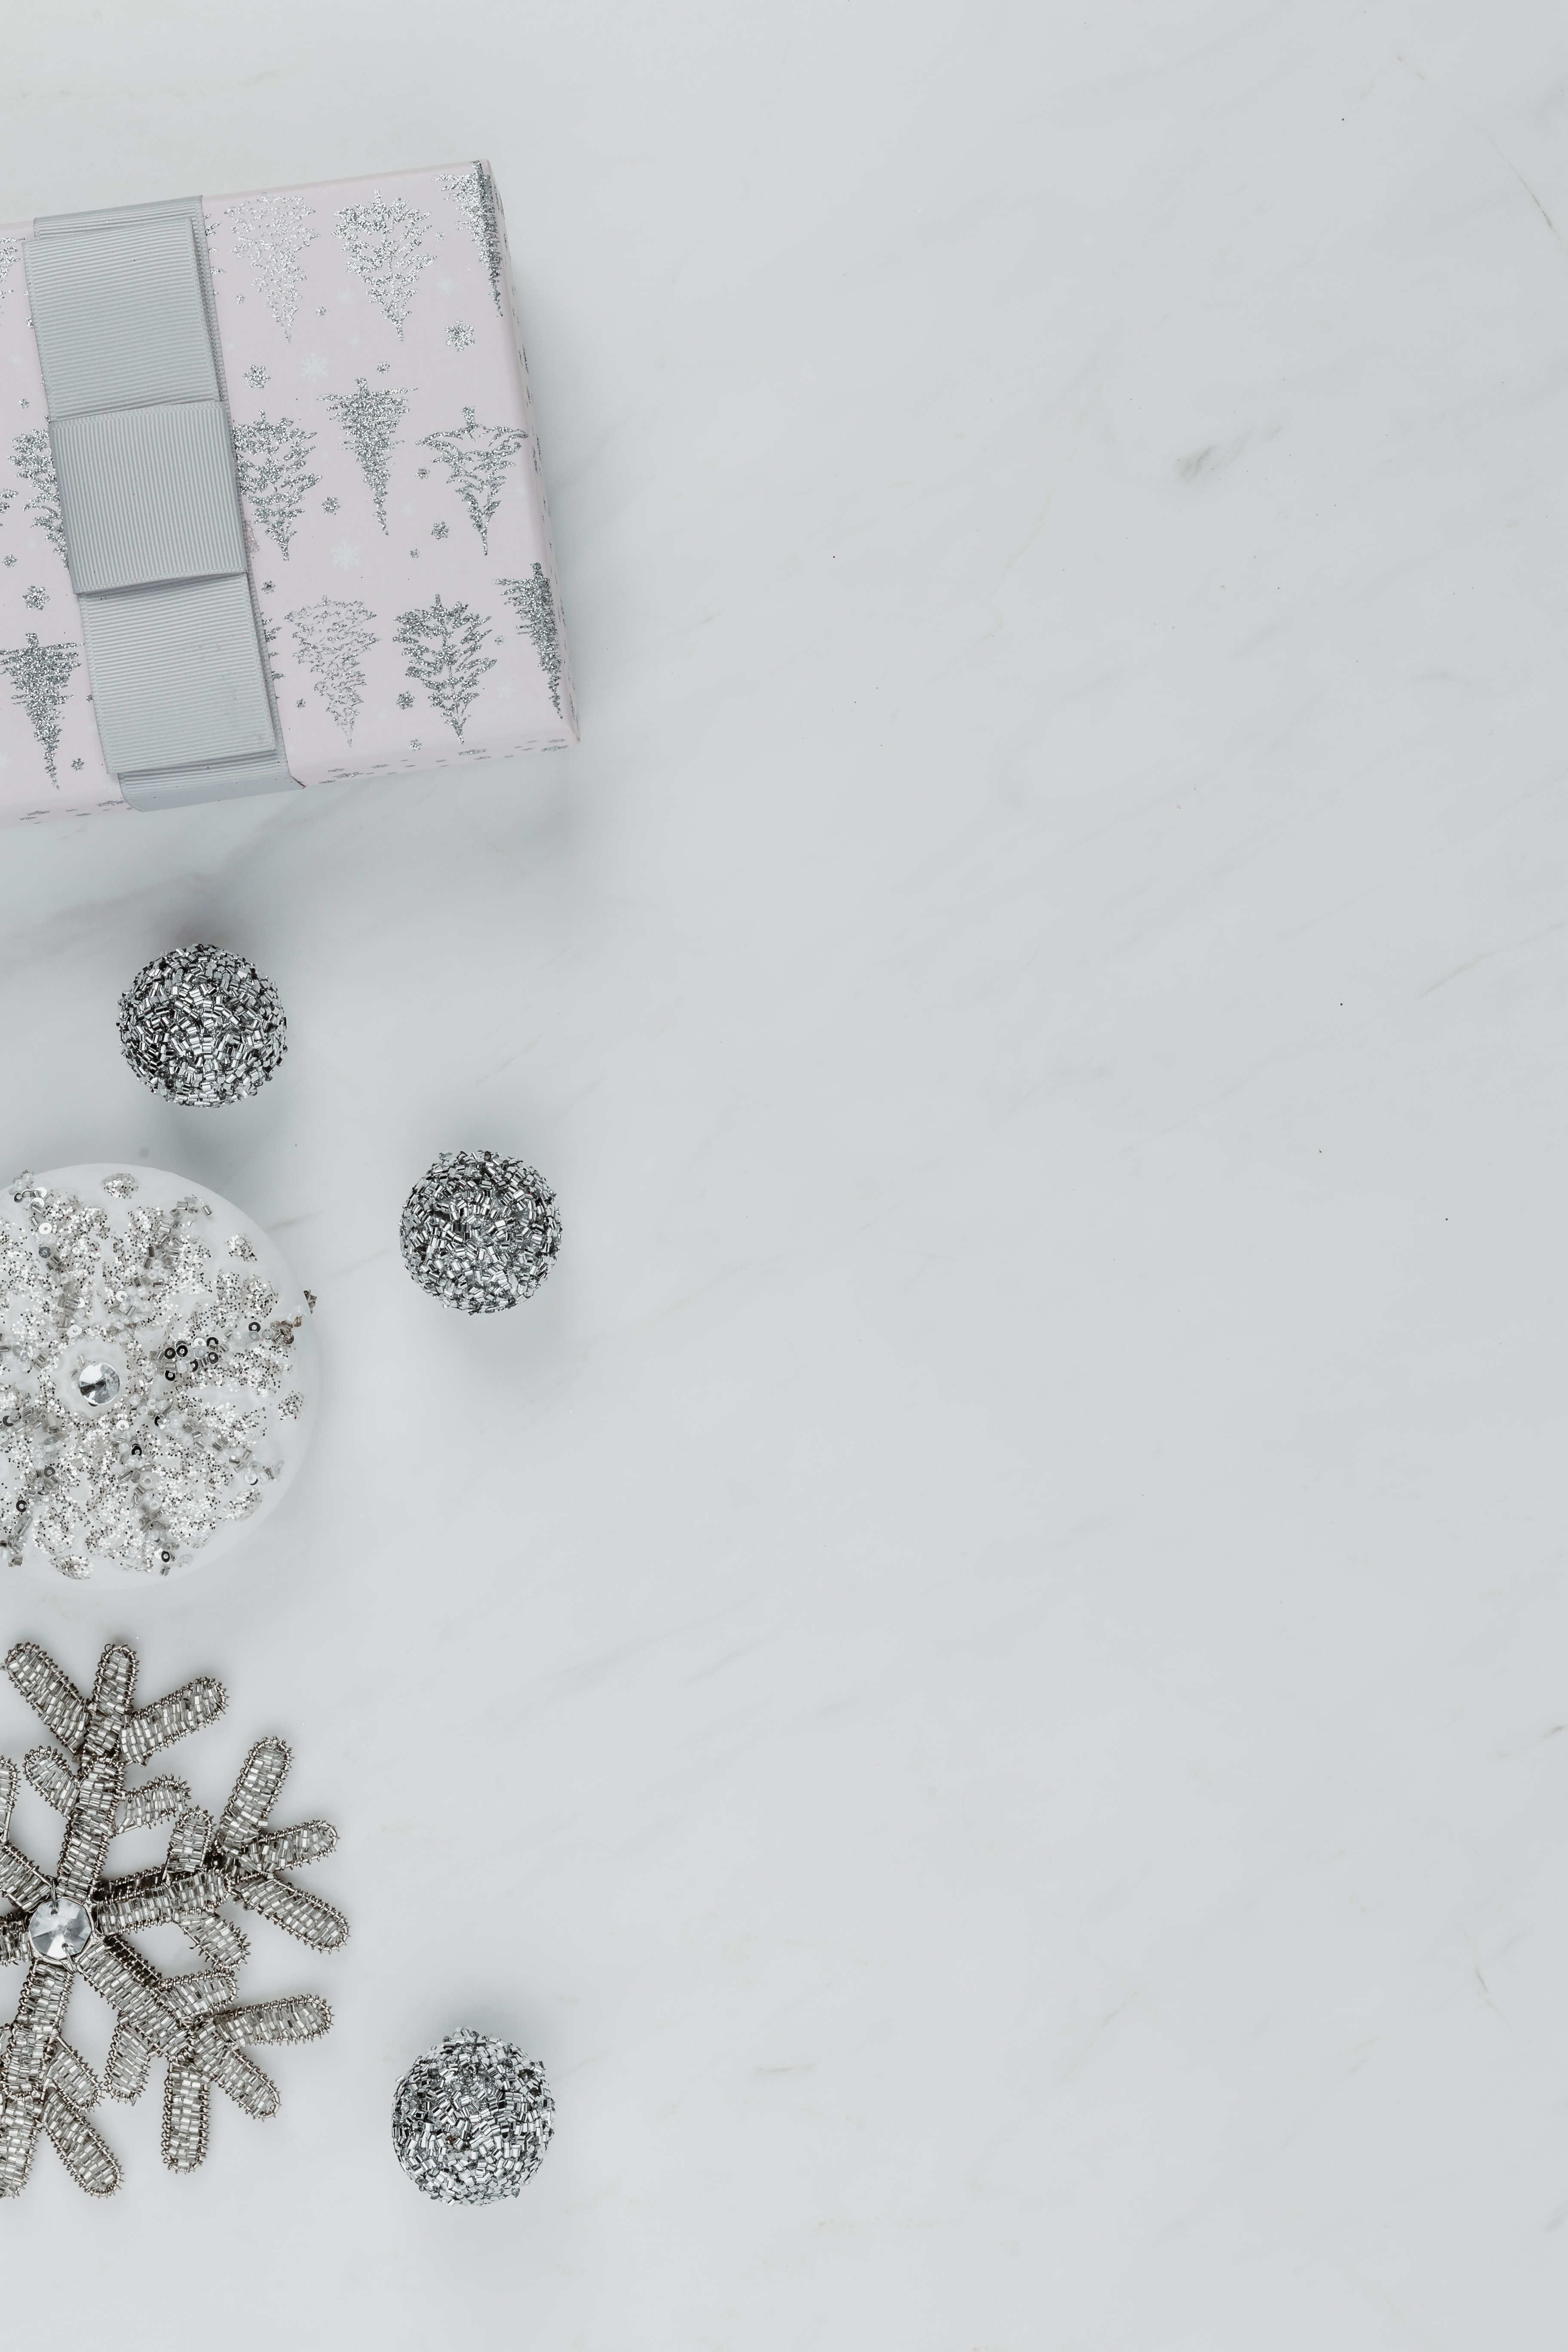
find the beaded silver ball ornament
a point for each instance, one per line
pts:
(201, 1026)
(472, 2120)
(480, 1231)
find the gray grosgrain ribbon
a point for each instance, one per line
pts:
(139, 425)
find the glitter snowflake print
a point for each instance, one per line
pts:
(40, 677)
(445, 645)
(474, 193)
(272, 459)
(332, 637)
(534, 605)
(476, 458)
(76, 1924)
(382, 242)
(368, 420)
(271, 233)
(35, 461)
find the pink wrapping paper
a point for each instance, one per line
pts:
(391, 482)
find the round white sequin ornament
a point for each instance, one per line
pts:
(157, 1373)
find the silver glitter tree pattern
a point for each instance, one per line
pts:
(533, 603)
(76, 1924)
(40, 677)
(382, 242)
(475, 458)
(273, 458)
(445, 645)
(474, 193)
(35, 461)
(271, 233)
(368, 420)
(10, 251)
(333, 636)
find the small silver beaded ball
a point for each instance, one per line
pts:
(479, 1233)
(201, 1026)
(472, 2120)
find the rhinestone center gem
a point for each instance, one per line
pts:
(98, 1383)
(60, 1928)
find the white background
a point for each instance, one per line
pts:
(982, 1674)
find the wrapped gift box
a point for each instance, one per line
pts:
(345, 360)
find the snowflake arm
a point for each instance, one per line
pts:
(217, 1939)
(23, 2084)
(301, 2017)
(58, 1704)
(155, 1802)
(261, 1777)
(185, 2119)
(126, 2069)
(19, 1879)
(78, 2147)
(69, 2072)
(89, 1825)
(298, 1913)
(53, 1776)
(184, 1711)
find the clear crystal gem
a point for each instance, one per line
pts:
(98, 1383)
(60, 1928)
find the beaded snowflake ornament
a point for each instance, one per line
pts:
(76, 1924)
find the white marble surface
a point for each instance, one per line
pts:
(983, 1673)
